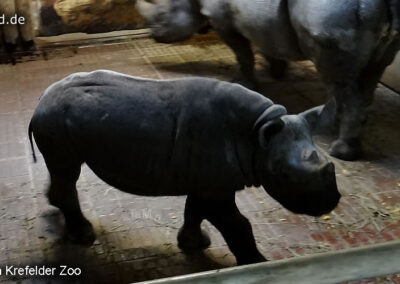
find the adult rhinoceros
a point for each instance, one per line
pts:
(350, 42)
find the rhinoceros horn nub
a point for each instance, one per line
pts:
(146, 9)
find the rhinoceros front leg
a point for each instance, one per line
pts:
(351, 113)
(354, 98)
(340, 71)
(191, 236)
(234, 227)
(241, 46)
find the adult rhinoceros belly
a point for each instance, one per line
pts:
(266, 23)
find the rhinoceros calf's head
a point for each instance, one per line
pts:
(291, 169)
(171, 20)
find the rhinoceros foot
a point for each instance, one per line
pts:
(255, 259)
(81, 234)
(188, 239)
(344, 151)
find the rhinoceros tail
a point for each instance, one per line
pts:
(31, 141)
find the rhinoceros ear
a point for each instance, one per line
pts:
(268, 130)
(312, 116)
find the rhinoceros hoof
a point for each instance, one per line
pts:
(188, 240)
(250, 260)
(83, 234)
(344, 151)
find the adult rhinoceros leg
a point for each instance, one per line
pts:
(277, 67)
(351, 113)
(244, 54)
(340, 71)
(234, 227)
(191, 236)
(354, 94)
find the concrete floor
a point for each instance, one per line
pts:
(137, 235)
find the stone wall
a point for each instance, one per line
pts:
(89, 16)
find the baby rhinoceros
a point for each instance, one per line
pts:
(198, 137)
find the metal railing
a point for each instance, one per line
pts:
(332, 267)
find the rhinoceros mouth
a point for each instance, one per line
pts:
(320, 206)
(300, 201)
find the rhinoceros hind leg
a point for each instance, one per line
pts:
(277, 67)
(62, 194)
(191, 236)
(235, 228)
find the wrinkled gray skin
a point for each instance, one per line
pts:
(198, 137)
(350, 43)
